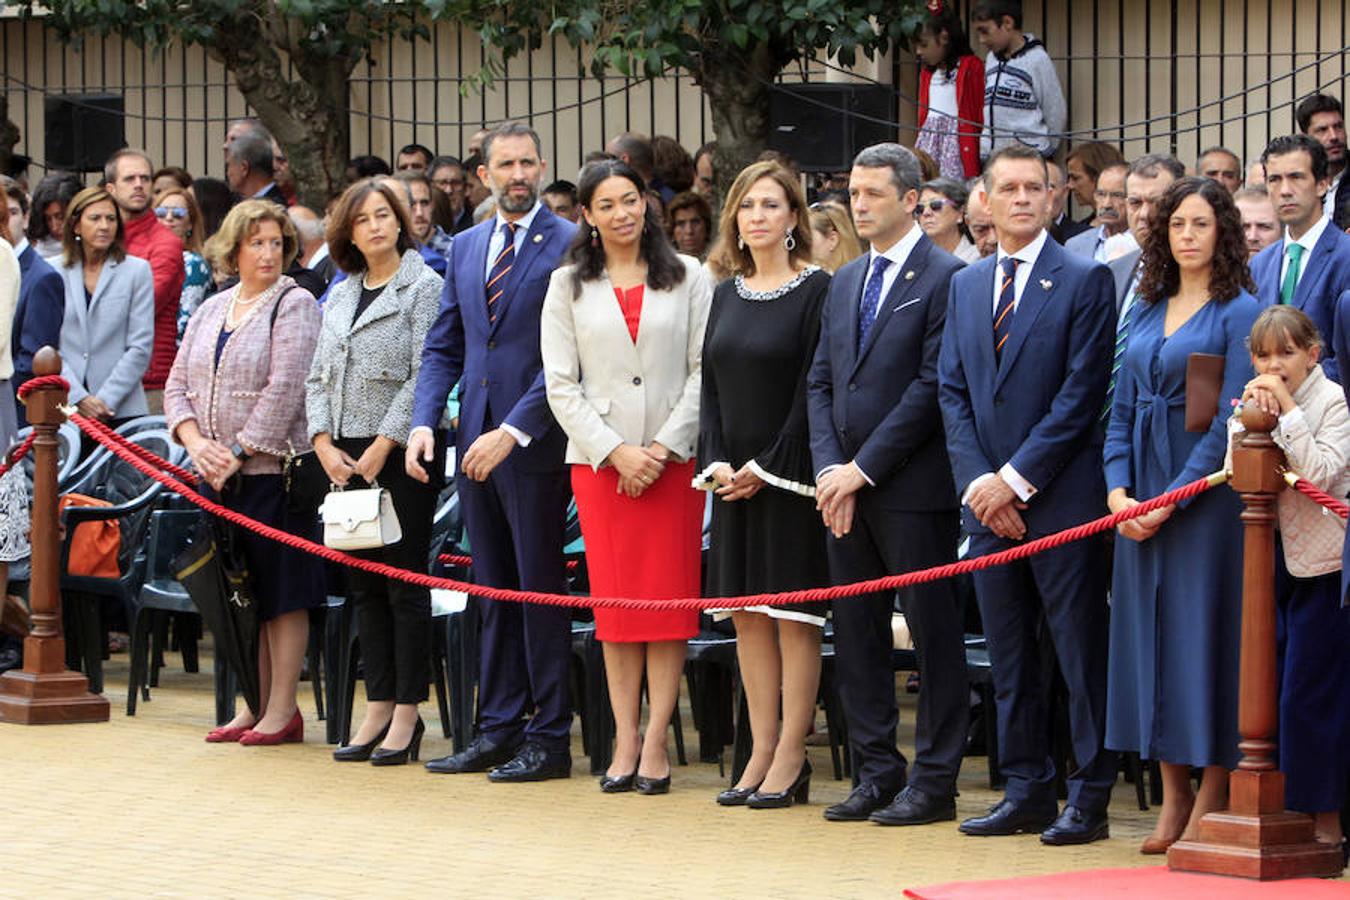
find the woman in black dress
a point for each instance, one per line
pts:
(755, 445)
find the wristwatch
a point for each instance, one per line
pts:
(238, 451)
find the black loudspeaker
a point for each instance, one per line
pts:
(83, 130)
(823, 126)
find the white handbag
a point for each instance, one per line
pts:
(359, 520)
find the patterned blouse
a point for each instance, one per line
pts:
(196, 286)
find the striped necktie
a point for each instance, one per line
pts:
(1118, 359)
(496, 285)
(1007, 297)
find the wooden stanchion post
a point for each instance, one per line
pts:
(1256, 837)
(43, 692)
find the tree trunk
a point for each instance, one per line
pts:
(309, 116)
(737, 87)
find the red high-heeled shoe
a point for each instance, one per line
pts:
(225, 735)
(293, 733)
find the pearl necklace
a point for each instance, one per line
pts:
(231, 322)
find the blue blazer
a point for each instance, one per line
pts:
(879, 406)
(497, 364)
(1039, 406)
(1326, 275)
(38, 316)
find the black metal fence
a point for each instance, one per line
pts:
(1151, 75)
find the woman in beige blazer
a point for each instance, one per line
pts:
(622, 343)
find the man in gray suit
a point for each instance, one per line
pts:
(1148, 177)
(1111, 213)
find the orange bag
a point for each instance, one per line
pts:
(95, 545)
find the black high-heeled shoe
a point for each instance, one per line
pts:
(617, 784)
(383, 757)
(798, 792)
(736, 796)
(360, 752)
(651, 786)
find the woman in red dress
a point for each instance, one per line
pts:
(622, 342)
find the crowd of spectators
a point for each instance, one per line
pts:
(989, 334)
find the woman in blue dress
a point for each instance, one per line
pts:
(1176, 598)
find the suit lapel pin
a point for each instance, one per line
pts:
(538, 238)
(1046, 284)
(909, 276)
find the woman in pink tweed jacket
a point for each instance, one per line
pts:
(235, 399)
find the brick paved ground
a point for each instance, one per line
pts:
(143, 807)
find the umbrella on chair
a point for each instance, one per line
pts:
(213, 571)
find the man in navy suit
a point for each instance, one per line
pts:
(885, 492)
(42, 295)
(1309, 267)
(512, 485)
(1023, 372)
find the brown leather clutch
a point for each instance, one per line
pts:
(1204, 384)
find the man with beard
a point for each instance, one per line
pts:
(127, 177)
(1322, 118)
(1110, 199)
(512, 484)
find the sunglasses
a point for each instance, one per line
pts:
(933, 206)
(178, 212)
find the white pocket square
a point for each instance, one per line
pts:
(907, 303)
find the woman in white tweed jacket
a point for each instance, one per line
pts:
(1313, 626)
(359, 399)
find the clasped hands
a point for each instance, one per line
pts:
(996, 505)
(1144, 527)
(213, 460)
(638, 467)
(837, 497)
(339, 466)
(736, 484)
(1269, 394)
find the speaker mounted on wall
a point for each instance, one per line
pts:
(822, 126)
(83, 130)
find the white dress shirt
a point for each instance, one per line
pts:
(1307, 242)
(1026, 261)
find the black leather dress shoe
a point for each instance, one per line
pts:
(480, 756)
(534, 762)
(1006, 817)
(914, 807)
(866, 799)
(1076, 826)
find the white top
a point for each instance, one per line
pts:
(1307, 242)
(942, 93)
(9, 301)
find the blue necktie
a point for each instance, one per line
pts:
(495, 286)
(871, 299)
(1007, 301)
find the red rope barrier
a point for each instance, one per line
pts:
(1316, 494)
(41, 381)
(12, 458)
(839, 592)
(455, 559)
